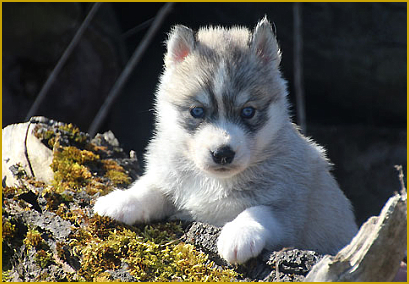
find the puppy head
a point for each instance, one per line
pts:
(222, 94)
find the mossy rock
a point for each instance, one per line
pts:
(51, 234)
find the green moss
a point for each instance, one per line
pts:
(76, 216)
(72, 154)
(72, 171)
(13, 191)
(152, 253)
(70, 166)
(6, 276)
(73, 132)
(115, 173)
(50, 135)
(43, 258)
(56, 200)
(36, 183)
(33, 239)
(43, 255)
(8, 230)
(80, 166)
(47, 137)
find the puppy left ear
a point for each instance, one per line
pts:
(180, 44)
(264, 43)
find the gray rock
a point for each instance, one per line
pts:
(129, 162)
(284, 265)
(203, 235)
(48, 221)
(291, 264)
(294, 260)
(121, 274)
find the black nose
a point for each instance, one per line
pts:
(223, 156)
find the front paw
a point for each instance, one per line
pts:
(121, 206)
(238, 242)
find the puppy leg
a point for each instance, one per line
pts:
(246, 236)
(141, 203)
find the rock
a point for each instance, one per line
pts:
(113, 149)
(31, 262)
(203, 235)
(32, 203)
(284, 265)
(291, 264)
(121, 274)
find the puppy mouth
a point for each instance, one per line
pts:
(223, 171)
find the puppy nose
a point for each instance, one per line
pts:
(223, 155)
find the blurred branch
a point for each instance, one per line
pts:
(137, 29)
(298, 68)
(133, 61)
(50, 80)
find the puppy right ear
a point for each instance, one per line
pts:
(180, 44)
(264, 43)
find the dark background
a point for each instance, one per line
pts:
(355, 57)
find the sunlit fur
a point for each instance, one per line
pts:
(277, 191)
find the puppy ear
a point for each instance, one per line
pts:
(180, 43)
(264, 43)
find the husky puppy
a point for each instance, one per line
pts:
(225, 151)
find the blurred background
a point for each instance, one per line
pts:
(353, 65)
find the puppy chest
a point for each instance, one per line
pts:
(215, 212)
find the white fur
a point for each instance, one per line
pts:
(250, 232)
(267, 133)
(142, 203)
(219, 86)
(276, 192)
(213, 136)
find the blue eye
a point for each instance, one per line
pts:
(197, 112)
(248, 112)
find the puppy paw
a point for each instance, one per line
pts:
(123, 207)
(238, 241)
